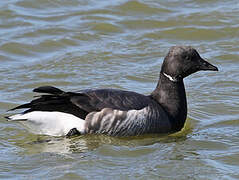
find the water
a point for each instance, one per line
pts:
(120, 44)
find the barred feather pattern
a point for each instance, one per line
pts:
(127, 123)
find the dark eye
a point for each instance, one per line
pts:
(187, 58)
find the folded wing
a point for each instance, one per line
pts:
(84, 102)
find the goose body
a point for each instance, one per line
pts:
(116, 112)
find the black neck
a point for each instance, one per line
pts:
(171, 95)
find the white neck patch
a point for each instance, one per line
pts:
(170, 77)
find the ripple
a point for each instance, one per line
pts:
(125, 152)
(120, 44)
(16, 48)
(143, 24)
(53, 31)
(105, 28)
(230, 158)
(46, 4)
(194, 34)
(7, 13)
(140, 8)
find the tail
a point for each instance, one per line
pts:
(16, 117)
(48, 90)
(53, 100)
(43, 89)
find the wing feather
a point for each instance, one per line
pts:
(84, 102)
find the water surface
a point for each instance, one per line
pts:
(120, 44)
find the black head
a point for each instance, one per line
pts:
(181, 61)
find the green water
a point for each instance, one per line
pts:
(120, 44)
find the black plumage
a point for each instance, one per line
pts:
(123, 113)
(86, 101)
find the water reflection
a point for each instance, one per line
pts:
(34, 144)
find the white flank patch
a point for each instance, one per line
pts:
(50, 123)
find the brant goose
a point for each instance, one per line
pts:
(116, 112)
